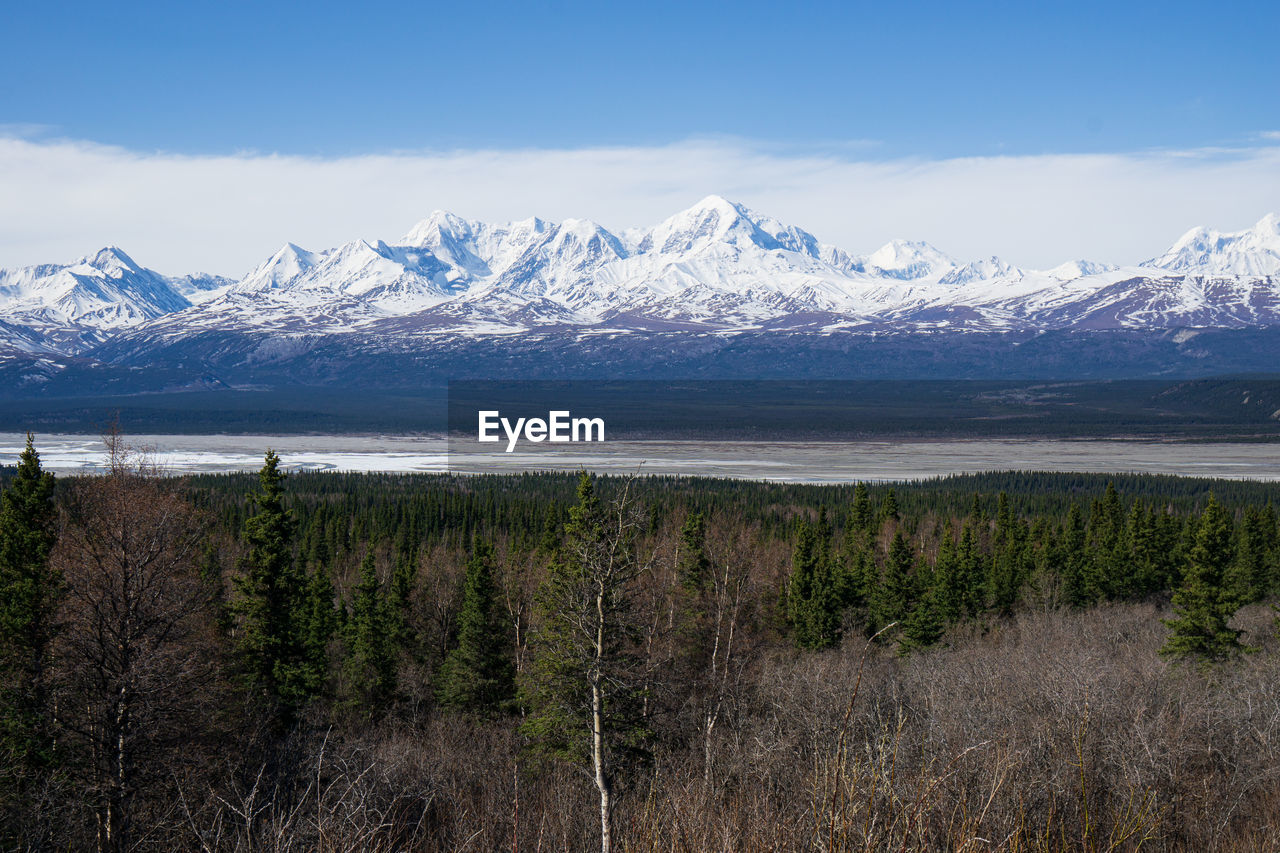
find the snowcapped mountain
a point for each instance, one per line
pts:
(281, 268)
(69, 306)
(1253, 252)
(201, 286)
(907, 260)
(1071, 270)
(715, 267)
(987, 269)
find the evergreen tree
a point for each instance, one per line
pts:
(1202, 603)
(896, 596)
(889, 508)
(971, 572)
(1268, 537)
(693, 566)
(1169, 533)
(370, 666)
(400, 598)
(552, 532)
(1250, 575)
(861, 514)
(478, 675)
(924, 625)
(1072, 559)
(271, 600)
(856, 578)
(694, 582)
(321, 623)
(1142, 576)
(1108, 568)
(946, 574)
(1009, 559)
(29, 594)
(977, 513)
(813, 597)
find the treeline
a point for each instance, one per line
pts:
(393, 662)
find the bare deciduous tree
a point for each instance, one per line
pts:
(137, 645)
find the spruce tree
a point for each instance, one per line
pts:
(272, 602)
(925, 623)
(400, 598)
(861, 514)
(694, 582)
(370, 666)
(889, 508)
(29, 594)
(947, 580)
(321, 623)
(856, 579)
(1108, 568)
(1202, 603)
(693, 566)
(970, 572)
(813, 599)
(1009, 565)
(1142, 576)
(1250, 575)
(478, 675)
(896, 596)
(1078, 587)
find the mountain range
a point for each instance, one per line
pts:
(715, 271)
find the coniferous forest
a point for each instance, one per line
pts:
(341, 662)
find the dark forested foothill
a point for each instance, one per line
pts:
(550, 662)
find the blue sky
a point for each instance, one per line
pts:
(204, 135)
(883, 79)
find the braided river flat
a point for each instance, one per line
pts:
(798, 462)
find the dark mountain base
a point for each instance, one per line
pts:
(219, 360)
(916, 383)
(1205, 409)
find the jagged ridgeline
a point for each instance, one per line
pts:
(716, 286)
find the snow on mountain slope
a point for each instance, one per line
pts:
(983, 270)
(561, 263)
(720, 264)
(1135, 299)
(715, 266)
(908, 260)
(392, 279)
(284, 266)
(201, 286)
(338, 290)
(1111, 298)
(474, 249)
(94, 291)
(1201, 251)
(1071, 270)
(79, 304)
(455, 241)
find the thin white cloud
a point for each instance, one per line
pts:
(25, 129)
(225, 214)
